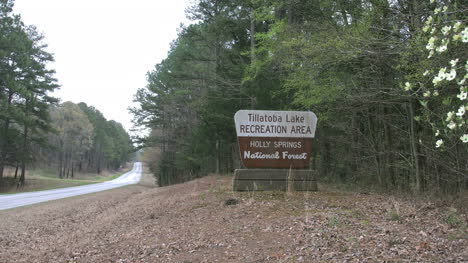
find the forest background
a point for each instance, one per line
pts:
(386, 79)
(38, 132)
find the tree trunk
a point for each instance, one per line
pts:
(217, 157)
(16, 170)
(25, 149)
(353, 146)
(252, 35)
(326, 157)
(98, 163)
(22, 179)
(4, 140)
(414, 149)
(389, 160)
(290, 13)
(65, 165)
(60, 168)
(68, 164)
(375, 146)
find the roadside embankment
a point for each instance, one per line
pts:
(203, 221)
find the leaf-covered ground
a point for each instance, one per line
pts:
(203, 221)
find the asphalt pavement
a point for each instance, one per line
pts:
(17, 200)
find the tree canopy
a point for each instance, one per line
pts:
(25, 84)
(379, 74)
(34, 128)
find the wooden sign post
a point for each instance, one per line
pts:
(276, 147)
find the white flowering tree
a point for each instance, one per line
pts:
(440, 84)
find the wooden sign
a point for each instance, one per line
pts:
(275, 139)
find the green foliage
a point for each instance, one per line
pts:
(348, 61)
(111, 145)
(394, 215)
(439, 79)
(333, 221)
(192, 95)
(452, 218)
(84, 141)
(25, 82)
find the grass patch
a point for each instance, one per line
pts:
(108, 178)
(263, 195)
(221, 189)
(40, 184)
(354, 213)
(394, 215)
(453, 219)
(198, 206)
(202, 196)
(47, 179)
(333, 221)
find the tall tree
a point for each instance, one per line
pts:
(345, 60)
(74, 136)
(111, 144)
(25, 85)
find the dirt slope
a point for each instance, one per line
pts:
(192, 223)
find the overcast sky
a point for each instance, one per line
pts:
(104, 48)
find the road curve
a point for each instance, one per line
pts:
(17, 200)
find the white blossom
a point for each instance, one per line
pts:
(445, 9)
(450, 115)
(454, 62)
(441, 76)
(427, 94)
(429, 20)
(407, 86)
(430, 44)
(451, 75)
(439, 143)
(465, 35)
(446, 30)
(452, 125)
(426, 73)
(461, 111)
(435, 93)
(437, 133)
(442, 71)
(442, 48)
(431, 54)
(463, 95)
(464, 138)
(437, 10)
(456, 27)
(436, 80)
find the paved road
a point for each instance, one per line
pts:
(16, 200)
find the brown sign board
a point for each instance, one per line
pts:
(275, 139)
